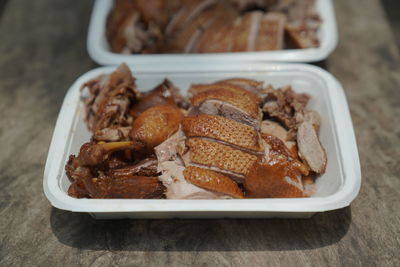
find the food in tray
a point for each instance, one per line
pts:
(234, 138)
(209, 26)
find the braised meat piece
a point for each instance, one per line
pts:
(125, 187)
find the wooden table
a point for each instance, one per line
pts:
(42, 51)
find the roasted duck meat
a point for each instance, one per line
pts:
(238, 139)
(155, 125)
(210, 26)
(277, 175)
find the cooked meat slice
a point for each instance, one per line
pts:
(218, 36)
(164, 93)
(187, 39)
(266, 180)
(310, 148)
(244, 30)
(271, 32)
(171, 147)
(157, 11)
(275, 129)
(146, 167)
(231, 102)
(222, 129)
(220, 157)
(109, 98)
(276, 148)
(92, 154)
(117, 19)
(283, 103)
(212, 181)
(125, 187)
(186, 14)
(178, 188)
(300, 37)
(250, 85)
(277, 175)
(76, 171)
(112, 134)
(310, 116)
(78, 190)
(155, 125)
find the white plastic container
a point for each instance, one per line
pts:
(98, 47)
(335, 189)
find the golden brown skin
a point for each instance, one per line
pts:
(244, 100)
(155, 125)
(220, 128)
(223, 157)
(267, 180)
(231, 85)
(278, 177)
(212, 180)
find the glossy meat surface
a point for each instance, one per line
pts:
(212, 180)
(155, 125)
(223, 129)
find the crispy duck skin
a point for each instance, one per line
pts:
(232, 85)
(276, 176)
(267, 180)
(222, 129)
(211, 180)
(220, 157)
(155, 125)
(241, 106)
(125, 187)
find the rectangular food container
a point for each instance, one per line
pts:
(98, 47)
(335, 189)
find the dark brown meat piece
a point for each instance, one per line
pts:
(125, 187)
(146, 167)
(109, 98)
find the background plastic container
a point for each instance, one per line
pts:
(335, 189)
(98, 47)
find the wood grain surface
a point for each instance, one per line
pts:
(43, 50)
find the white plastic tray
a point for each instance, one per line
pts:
(335, 189)
(98, 47)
